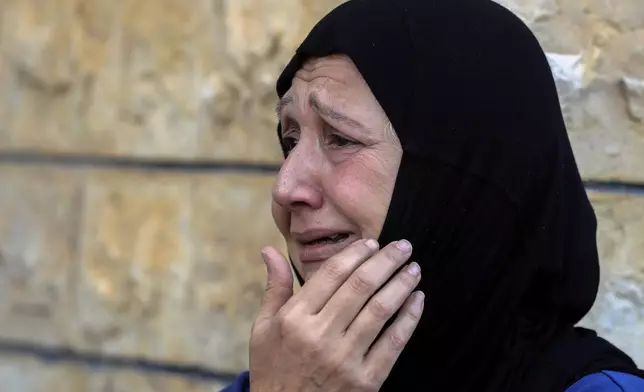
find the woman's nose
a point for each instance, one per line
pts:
(297, 185)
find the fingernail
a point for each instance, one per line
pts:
(418, 303)
(372, 244)
(403, 245)
(264, 255)
(414, 269)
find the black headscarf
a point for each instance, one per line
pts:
(488, 192)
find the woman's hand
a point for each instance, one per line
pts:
(322, 338)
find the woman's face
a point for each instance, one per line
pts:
(343, 156)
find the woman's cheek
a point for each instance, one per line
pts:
(281, 217)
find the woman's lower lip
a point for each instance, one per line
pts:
(320, 252)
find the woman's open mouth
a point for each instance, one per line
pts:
(332, 239)
(321, 248)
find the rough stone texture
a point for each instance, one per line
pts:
(134, 261)
(18, 374)
(38, 230)
(596, 51)
(635, 93)
(150, 78)
(163, 266)
(166, 266)
(231, 222)
(176, 79)
(170, 266)
(618, 313)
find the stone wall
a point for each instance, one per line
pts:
(129, 229)
(30, 375)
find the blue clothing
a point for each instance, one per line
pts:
(598, 382)
(241, 384)
(608, 382)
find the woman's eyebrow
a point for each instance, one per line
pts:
(327, 111)
(283, 102)
(320, 108)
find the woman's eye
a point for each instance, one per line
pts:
(340, 141)
(289, 143)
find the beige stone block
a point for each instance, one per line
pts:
(618, 313)
(596, 52)
(145, 97)
(231, 223)
(20, 374)
(129, 381)
(107, 77)
(621, 55)
(259, 38)
(171, 267)
(40, 93)
(608, 144)
(174, 79)
(147, 78)
(531, 11)
(627, 15)
(134, 260)
(40, 216)
(635, 97)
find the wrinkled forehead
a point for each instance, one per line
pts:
(332, 78)
(338, 66)
(334, 91)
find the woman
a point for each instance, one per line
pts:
(435, 122)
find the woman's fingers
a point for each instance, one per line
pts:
(340, 289)
(385, 352)
(279, 284)
(382, 306)
(324, 283)
(345, 305)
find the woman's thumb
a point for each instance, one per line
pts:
(279, 284)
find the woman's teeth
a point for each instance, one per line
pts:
(329, 239)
